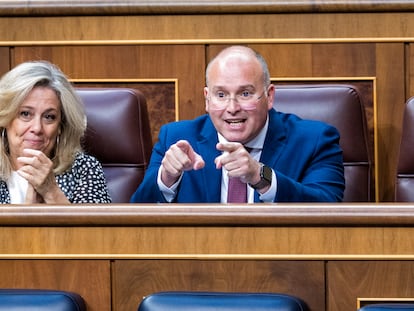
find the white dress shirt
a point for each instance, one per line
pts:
(17, 186)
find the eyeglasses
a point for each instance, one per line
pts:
(246, 99)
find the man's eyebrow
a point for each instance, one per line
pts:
(241, 87)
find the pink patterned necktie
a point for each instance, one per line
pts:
(237, 191)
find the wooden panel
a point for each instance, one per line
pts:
(182, 62)
(208, 232)
(312, 215)
(203, 240)
(4, 60)
(209, 27)
(89, 278)
(135, 279)
(343, 251)
(350, 280)
(390, 70)
(315, 60)
(92, 7)
(410, 70)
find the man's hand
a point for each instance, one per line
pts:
(178, 158)
(238, 162)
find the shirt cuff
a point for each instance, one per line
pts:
(270, 194)
(169, 193)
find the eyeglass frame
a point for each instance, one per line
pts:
(227, 100)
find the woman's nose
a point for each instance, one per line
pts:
(36, 124)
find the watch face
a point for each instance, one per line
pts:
(267, 174)
(265, 177)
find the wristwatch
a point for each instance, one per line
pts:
(265, 177)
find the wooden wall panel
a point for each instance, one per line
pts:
(135, 279)
(209, 26)
(210, 240)
(89, 278)
(183, 62)
(4, 60)
(410, 70)
(344, 251)
(315, 60)
(143, 7)
(349, 280)
(390, 73)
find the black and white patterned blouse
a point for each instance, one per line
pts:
(84, 182)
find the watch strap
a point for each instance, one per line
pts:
(265, 177)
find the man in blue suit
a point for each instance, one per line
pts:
(277, 157)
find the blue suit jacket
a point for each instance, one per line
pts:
(304, 154)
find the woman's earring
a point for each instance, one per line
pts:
(56, 146)
(4, 139)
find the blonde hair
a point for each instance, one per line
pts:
(15, 86)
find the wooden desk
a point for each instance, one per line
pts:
(112, 255)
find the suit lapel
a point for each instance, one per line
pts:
(207, 147)
(275, 140)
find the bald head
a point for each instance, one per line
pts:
(240, 53)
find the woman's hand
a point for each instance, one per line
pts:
(37, 169)
(32, 196)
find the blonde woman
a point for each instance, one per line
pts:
(42, 122)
